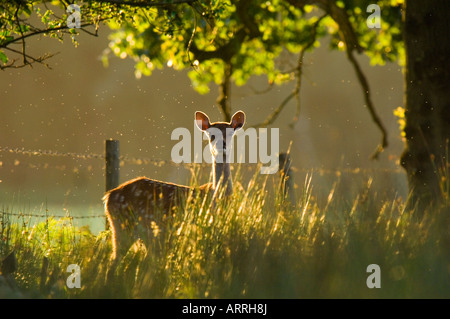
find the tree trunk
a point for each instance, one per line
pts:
(427, 99)
(224, 92)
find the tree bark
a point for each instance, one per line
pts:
(427, 99)
(224, 92)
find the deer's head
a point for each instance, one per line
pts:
(220, 134)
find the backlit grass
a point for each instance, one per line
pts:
(254, 245)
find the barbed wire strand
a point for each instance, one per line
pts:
(51, 153)
(161, 162)
(86, 156)
(156, 162)
(51, 216)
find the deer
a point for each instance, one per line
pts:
(139, 203)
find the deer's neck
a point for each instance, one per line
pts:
(222, 175)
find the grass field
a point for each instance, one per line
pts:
(255, 245)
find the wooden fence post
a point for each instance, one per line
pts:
(112, 155)
(287, 176)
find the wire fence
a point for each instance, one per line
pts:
(85, 156)
(125, 159)
(39, 152)
(3, 213)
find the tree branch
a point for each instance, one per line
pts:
(300, 68)
(35, 32)
(147, 4)
(224, 52)
(296, 92)
(41, 31)
(365, 87)
(348, 34)
(225, 91)
(339, 15)
(37, 60)
(272, 117)
(17, 21)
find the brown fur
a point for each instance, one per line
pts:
(139, 202)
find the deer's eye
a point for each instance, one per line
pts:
(212, 138)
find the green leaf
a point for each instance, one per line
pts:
(3, 57)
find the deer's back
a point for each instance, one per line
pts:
(142, 195)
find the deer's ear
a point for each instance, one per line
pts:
(238, 120)
(202, 121)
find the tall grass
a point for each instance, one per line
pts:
(254, 245)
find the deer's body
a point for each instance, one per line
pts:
(137, 205)
(133, 206)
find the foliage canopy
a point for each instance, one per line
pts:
(218, 41)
